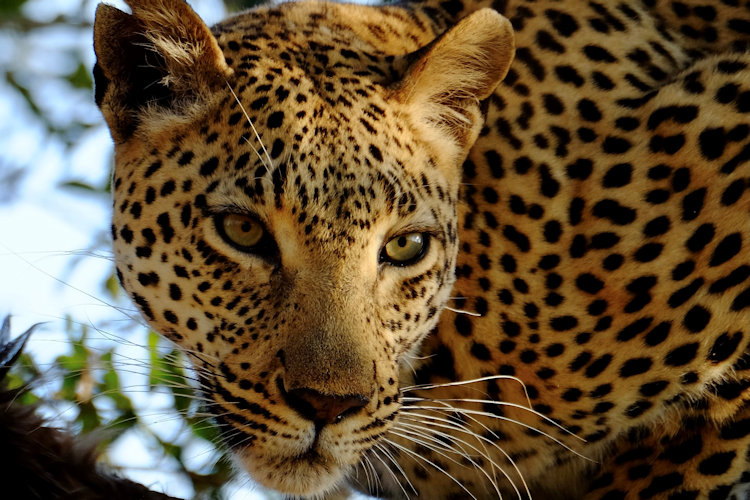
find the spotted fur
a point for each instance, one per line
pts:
(576, 324)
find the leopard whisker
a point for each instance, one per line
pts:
(422, 431)
(433, 464)
(424, 387)
(499, 403)
(462, 311)
(465, 411)
(384, 450)
(270, 166)
(448, 424)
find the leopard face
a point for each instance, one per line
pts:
(390, 268)
(291, 233)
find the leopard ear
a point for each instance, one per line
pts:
(162, 56)
(447, 79)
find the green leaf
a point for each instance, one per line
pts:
(81, 78)
(11, 7)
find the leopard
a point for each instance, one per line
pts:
(446, 248)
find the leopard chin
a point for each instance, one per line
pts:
(310, 465)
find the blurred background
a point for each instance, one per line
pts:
(92, 365)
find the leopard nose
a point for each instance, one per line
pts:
(323, 409)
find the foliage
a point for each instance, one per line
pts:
(45, 81)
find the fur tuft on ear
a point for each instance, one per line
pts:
(443, 86)
(162, 55)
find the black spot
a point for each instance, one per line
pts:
(589, 283)
(618, 176)
(726, 249)
(613, 262)
(658, 334)
(171, 317)
(598, 365)
(480, 352)
(463, 325)
(572, 395)
(495, 162)
(701, 237)
(525, 56)
(565, 24)
(563, 323)
(712, 142)
(717, 464)
(575, 212)
(507, 346)
(275, 119)
(276, 149)
(733, 192)
(636, 410)
(692, 204)
(679, 114)
(657, 196)
(727, 93)
(234, 118)
(375, 152)
(612, 210)
(648, 252)
(600, 408)
(598, 54)
(568, 74)
(659, 172)
(734, 278)
(660, 484)
(635, 366)
(680, 179)
(616, 145)
(685, 293)
(681, 355)
(656, 226)
(724, 346)
(580, 169)
(589, 111)
(552, 104)
(635, 328)
(602, 81)
(209, 166)
(742, 301)
(520, 239)
(681, 452)
(185, 158)
(650, 389)
(696, 319)
(552, 231)
(605, 240)
(554, 350)
(736, 429)
(528, 356)
(549, 186)
(167, 232)
(668, 145)
(152, 169)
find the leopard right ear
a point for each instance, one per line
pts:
(162, 57)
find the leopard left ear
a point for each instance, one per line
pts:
(442, 88)
(162, 56)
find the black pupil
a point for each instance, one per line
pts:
(246, 226)
(402, 241)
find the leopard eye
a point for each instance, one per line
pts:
(240, 230)
(405, 249)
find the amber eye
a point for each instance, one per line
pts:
(405, 249)
(240, 230)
